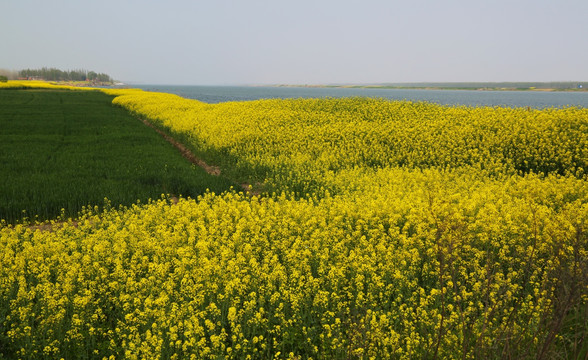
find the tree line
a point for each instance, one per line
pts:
(53, 74)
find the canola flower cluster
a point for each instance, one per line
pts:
(293, 144)
(436, 265)
(39, 84)
(378, 241)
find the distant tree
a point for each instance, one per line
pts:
(53, 74)
(77, 75)
(103, 77)
(3, 78)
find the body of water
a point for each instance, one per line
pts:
(534, 99)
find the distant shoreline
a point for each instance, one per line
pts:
(544, 87)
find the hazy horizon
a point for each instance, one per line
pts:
(305, 42)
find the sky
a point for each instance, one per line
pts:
(254, 42)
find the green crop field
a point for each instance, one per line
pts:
(64, 149)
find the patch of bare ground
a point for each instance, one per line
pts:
(53, 225)
(186, 153)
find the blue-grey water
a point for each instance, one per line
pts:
(534, 99)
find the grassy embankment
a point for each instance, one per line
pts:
(64, 149)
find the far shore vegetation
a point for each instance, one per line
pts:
(79, 77)
(494, 86)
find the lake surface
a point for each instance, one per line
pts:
(534, 99)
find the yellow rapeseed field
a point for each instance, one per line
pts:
(383, 229)
(38, 84)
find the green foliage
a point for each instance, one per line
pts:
(3, 78)
(64, 149)
(53, 74)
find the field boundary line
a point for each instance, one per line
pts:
(186, 153)
(189, 155)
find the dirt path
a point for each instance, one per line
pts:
(186, 153)
(212, 170)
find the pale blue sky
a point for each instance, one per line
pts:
(221, 42)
